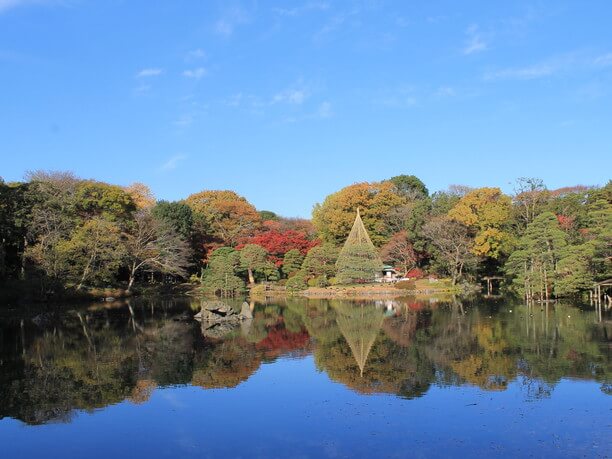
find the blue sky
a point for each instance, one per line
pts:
(285, 102)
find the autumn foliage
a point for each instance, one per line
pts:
(278, 243)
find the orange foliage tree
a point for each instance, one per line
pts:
(227, 216)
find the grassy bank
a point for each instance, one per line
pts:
(422, 287)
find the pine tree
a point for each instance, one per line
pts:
(358, 260)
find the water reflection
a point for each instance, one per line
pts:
(92, 357)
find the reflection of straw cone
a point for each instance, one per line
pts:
(360, 326)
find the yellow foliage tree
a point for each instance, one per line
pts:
(141, 194)
(486, 211)
(334, 218)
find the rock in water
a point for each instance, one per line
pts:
(217, 311)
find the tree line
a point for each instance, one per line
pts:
(59, 232)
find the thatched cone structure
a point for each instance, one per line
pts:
(360, 326)
(358, 260)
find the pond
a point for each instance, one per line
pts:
(306, 378)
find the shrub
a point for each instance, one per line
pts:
(415, 273)
(296, 283)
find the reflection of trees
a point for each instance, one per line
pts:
(539, 345)
(226, 364)
(98, 357)
(560, 341)
(365, 359)
(490, 367)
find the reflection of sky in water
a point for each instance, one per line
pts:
(302, 405)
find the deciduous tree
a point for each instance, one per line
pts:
(487, 211)
(399, 252)
(154, 245)
(453, 245)
(334, 218)
(229, 217)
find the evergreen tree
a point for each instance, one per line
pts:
(321, 261)
(534, 265)
(292, 261)
(220, 276)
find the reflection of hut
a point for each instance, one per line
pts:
(360, 326)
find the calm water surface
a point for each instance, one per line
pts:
(308, 379)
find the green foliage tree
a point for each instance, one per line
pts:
(292, 262)
(97, 199)
(93, 253)
(297, 282)
(534, 265)
(253, 258)
(176, 214)
(321, 261)
(267, 215)
(220, 277)
(410, 186)
(599, 232)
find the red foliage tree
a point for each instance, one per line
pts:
(566, 222)
(278, 242)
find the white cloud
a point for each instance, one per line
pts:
(298, 10)
(524, 73)
(196, 54)
(143, 89)
(398, 98)
(195, 73)
(445, 91)
(184, 121)
(605, 59)
(475, 43)
(325, 110)
(290, 96)
(172, 162)
(6, 5)
(232, 18)
(149, 72)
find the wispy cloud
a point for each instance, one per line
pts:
(149, 72)
(6, 5)
(196, 54)
(475, 43)
(531, 72)
(337, 21)
(290, 96)
(397, 98)
(605, 59)
(230, 20)
(571, 63)
(184, 121)
(325, 110)
(172, 162)
(545, 68)
(195, 73)
(444, 91)
(305, 8)
(142, 89)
